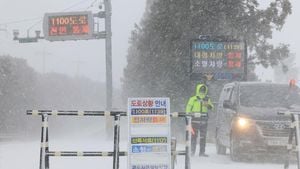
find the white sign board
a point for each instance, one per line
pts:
(149, 133)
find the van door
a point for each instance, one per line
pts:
(221, 116)
(228, 113)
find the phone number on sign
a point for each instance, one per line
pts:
(148, 111)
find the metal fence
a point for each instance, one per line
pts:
(45, 152)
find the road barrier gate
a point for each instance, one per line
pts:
(294, 133)
(45, 152)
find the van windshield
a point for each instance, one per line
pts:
(268, 96)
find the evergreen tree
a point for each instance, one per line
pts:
(17, 86)
(286, 70)
(158, 59)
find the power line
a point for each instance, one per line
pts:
(92, 4)
(34, 25)
(39, 18)
(74, 5)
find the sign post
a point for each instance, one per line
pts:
(64, 26)
(149, 133)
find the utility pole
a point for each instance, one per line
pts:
(44, 54)
(78, 63)
(108, 47)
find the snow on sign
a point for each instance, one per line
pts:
(149, 133)
(221, 60)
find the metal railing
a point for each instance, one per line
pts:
(45, 152)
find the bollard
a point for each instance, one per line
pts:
(47, 143)
(116, 141)
(44, 159)
(188, 143)
(173, 150)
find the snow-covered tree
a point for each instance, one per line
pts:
(286, 70)
(17, 85)
(158, 59)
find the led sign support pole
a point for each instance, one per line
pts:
(108, 47)
(27, 39)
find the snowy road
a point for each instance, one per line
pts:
(25, 155)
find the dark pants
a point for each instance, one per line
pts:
(199, 125)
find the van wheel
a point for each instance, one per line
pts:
(220, 148)
(234, 155)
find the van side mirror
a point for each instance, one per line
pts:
(227, 104)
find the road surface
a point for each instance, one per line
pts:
(25, 155)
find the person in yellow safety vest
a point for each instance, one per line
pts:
(200, 103)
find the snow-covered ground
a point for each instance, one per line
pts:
(25, 155)
(89, 137)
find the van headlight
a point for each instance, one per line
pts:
(244, 126)
(243, 122)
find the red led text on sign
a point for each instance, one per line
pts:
(68, 25)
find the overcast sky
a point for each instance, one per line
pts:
(87, 58)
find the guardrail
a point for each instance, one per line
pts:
(45, 153)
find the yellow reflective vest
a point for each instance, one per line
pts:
(200, 103)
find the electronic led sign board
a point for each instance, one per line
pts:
(68, 26)
(221, 60)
